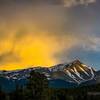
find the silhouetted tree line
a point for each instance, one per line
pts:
(37, 89)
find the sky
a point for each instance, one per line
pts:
(49, 32)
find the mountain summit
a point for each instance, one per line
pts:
(79, 72)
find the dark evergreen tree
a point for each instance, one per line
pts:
(17, 94)
(2, 94)
(37, 87)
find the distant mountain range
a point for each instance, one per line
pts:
(69, 75)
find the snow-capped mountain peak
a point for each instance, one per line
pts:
(75, 72)
(79, 72)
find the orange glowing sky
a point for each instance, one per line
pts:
(31, 36)
(46, 32)
(31, 50)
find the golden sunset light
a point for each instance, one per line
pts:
(44, 33)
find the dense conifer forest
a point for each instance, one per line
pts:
(38, 89)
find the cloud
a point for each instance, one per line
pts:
(40, 33)
(85, 48)
(93, 44)
(66, 3)
(69, 3)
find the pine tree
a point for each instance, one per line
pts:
(2, 94)
(36, 87)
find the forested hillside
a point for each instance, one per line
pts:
(38, 89)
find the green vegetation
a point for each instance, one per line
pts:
(37, 89)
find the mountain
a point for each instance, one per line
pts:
(75, 72)
(97, 77)
(59, 76)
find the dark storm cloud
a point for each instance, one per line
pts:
(66, 3)
(71, 23)
(5, 2)
(57, 20)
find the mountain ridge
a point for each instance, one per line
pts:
(73, 73)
